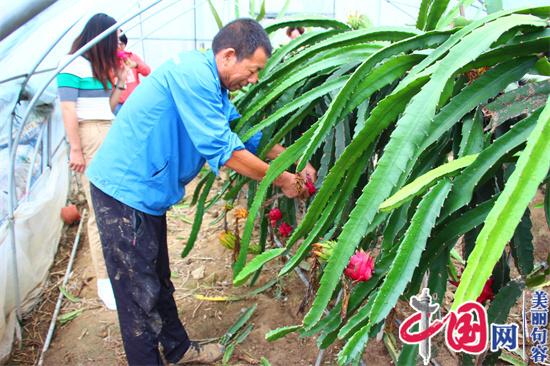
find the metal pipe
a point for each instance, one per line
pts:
(141, 39)
(44, 55)
(20, 14)
(11, 181)
(152, 15)
(66, 278)
(11, 78)
(296, 269)
(147, 36)
(195, 22)
(36, 97)
(39, 144)
(320, 356)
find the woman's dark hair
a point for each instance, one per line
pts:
(244, 35)
(123, 39)
(102, 55)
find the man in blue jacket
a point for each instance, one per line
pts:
(174, 122)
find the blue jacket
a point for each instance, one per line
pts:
(175, 121)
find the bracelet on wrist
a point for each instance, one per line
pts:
(120, 87)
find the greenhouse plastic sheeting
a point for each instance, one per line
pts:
(38, 228)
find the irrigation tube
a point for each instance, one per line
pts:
(68, 273)
(15, 144)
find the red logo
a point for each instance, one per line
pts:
(466, 328)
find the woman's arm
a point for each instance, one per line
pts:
(120, 85)
(141, 66)
(70, 120)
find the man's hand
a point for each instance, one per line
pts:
(309, 172)
(76, 161)
(290, 184)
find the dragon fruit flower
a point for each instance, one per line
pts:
(311, 190)
(274, 216)
(285, 230)
(241, 213)
(227, 239)
(360, 267)
(487, 292)
(324, 250)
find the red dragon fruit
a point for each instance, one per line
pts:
(360, 267)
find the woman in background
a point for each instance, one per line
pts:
(137, 67)
(88, 98)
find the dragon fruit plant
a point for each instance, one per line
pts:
(423, 138)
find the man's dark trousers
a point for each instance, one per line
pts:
(136, 254)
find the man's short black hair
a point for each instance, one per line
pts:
(245, 35)
(123, 39)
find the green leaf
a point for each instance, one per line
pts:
(236, 8)
(264, 362)
(437, 280)
(498, 311)
(275, 334)
(306, 57)
(256, 263)
(335, 205)
(437, 9)
(547, 204)
(261, 14)
(228, 336)
(215, 14)
(472, 135)
(446, 20)
(381, 116)
(448, 231)
(365, 80)
(315, 68)
(71, 315)
(228, 353)
(493, 6)
(531, 169)
(198, 189)
(408, 355)
(301, 101)
(310, 21)
(466, 182)
(198, 216)
(522, 245)
(422, 183)
(423, 14)
(543, 66)
(401, 271)
(245, 333)
(283, 10)
(459, 36)
(68, 295)
(400, 152)
(520, 101)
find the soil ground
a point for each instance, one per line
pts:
(93, 337)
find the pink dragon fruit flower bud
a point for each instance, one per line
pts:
(486, 294)
(360, 267)
(311, 190)
(324, 250)
(274, 216)
(285, 230)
